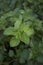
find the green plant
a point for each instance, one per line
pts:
(21, 31)
(21, 34)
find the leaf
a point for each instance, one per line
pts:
(21, 60)
(40, 58)
(3, 24)
(41, 1)
(18, 23)
(29, 31)
(38, 24)
(9, 31)
(25, 38)
(30, 1)
(23, 55)
(14, 42)
(11, 53)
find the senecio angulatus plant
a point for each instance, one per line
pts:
(20, 31)
(23, 26)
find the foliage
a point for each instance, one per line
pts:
(21, 32)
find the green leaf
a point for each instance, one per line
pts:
(14, 42)
(40, 58)
(3, 24)
(25, 38)
(41, 1)
(18, 23)
(21, 60)
(23, 55)
(29, 31)
(9, 31)
(30, 1)
(11, 53)
(37, 24)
